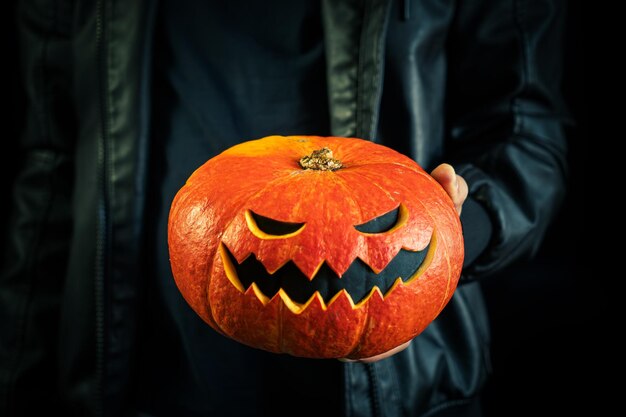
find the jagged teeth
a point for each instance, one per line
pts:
(298, 308)
(294, 306)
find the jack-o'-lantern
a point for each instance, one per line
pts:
(315, 246)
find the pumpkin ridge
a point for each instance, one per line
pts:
(279, 324)
(181, 196)
(445, 297)
(212, 306)
(350, 193)
(447, 258)
(360, 174)
(359, 340)
(374, 163)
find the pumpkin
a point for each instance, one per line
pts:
(318, 247)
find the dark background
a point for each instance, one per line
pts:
(548, 318)
(542, 313)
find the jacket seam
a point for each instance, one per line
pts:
(21, 318)
(46, 116)
(360, 85)
(379, 67)
(102, 210)
(483, 334)
(347, 384)
(374, 389)
(518, 16)
(379, 61)
(145, 95)
(371, 53)
(29, 272)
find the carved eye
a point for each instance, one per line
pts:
(386, 222)
(266, 228)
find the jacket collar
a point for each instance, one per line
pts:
(354, 64)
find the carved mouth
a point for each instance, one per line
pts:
(358, 280)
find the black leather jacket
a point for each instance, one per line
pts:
(475, 82)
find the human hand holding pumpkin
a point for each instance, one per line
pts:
(225, 263)
(452, 183)
(456, 187)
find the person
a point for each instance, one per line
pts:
(126, 99)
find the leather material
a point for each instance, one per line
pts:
(125, 50)
(69, 286)
(354, 64)
(29, 289)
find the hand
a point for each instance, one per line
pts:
(454, 184)
(457, 189)
(381, 356)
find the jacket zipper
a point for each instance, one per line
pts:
(102, 216)
(374, 393)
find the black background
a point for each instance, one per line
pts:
(549, 317)
(542, 313)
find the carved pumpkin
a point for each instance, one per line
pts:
(316, 247)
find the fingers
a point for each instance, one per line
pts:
(462, 192)
(381, 356)
(453, 184)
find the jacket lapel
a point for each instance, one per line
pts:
(354, 34)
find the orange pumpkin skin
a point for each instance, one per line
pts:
(209, 217)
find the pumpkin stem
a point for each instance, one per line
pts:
(320, 160)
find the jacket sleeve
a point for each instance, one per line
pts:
(505, 126)
(39, 227)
